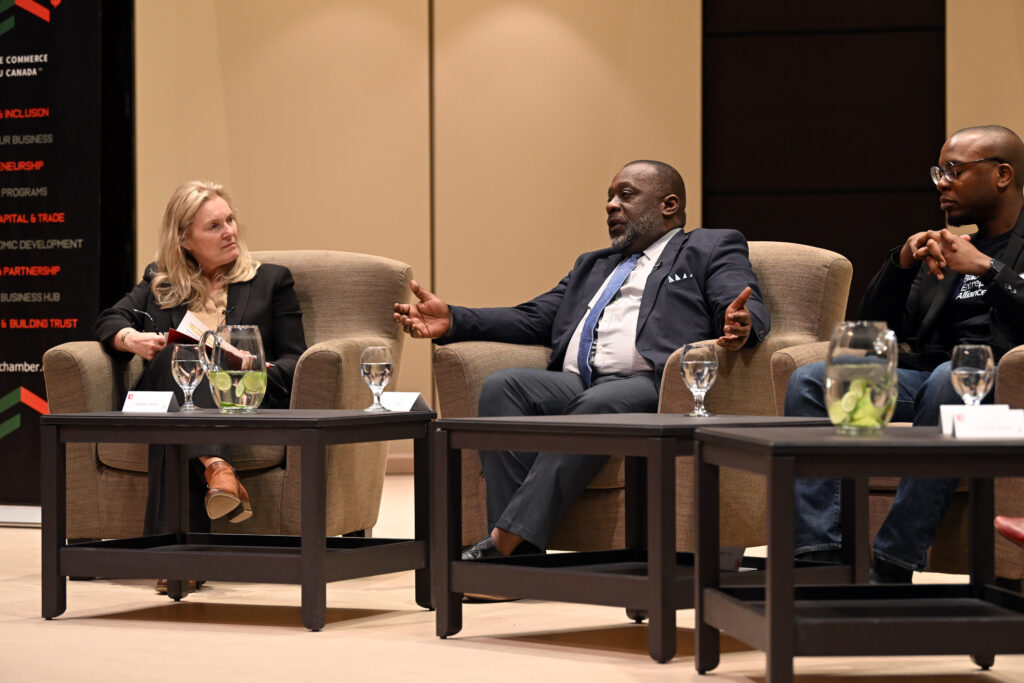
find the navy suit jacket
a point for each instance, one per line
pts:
(685, 299)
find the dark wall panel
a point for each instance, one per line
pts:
(820, 123)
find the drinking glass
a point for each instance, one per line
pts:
(860, 377)
(973, 372)
(187, 371)
(375, 367)
(699, 365)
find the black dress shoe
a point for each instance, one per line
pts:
(887, 572)
(482, 549)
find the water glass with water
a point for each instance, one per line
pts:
(973, 372)
(375, 367)
(187, 371)
(699, 365)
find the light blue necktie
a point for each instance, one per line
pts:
(619, 276)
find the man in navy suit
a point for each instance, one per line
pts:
(611, 323)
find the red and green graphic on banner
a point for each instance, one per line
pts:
(50, 153)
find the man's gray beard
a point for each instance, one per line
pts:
(645, 224)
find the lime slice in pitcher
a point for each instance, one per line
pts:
(220, 380)
(254, 382)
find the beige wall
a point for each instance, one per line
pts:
(315, 116)
(538, 105)
(985, 64)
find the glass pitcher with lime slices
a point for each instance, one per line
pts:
(860, 377)
(235, 367)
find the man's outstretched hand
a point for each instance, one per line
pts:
(737, 322)
(427, 319)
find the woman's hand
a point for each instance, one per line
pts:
(144, 344)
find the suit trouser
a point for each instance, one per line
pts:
(527, 493)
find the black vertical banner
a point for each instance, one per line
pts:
(55, 165)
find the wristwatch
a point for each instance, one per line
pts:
(993, 270)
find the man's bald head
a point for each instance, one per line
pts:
(999, 142)
(667, 179)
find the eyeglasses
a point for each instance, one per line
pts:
(952, 169)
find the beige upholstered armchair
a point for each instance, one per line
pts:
(346, 301)
(949, 554)
(805, 290)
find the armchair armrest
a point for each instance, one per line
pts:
(459, 373)
(327, 377)
(744, 385)
(461, 368)
(1010, 378)
(81, 377)
(787, 360)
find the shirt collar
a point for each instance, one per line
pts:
(653, 252)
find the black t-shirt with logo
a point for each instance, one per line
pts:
(965, 320)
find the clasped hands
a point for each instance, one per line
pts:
(429, 318)
(940, 249)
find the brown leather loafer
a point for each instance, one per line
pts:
(226, 496)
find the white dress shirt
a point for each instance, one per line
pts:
(615, 335)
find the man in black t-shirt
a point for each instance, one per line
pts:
(934, 291)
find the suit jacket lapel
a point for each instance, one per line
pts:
(238, 299)
(656, 280)
(603, 267)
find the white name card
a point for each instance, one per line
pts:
(982, 422)
(403, 401)
(150, 402)
(730, 557)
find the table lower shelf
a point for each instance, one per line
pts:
(237, 557)
(616, 578)
(879, 620)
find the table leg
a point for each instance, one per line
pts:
(54, 522)
(982, 535)
(856, 551)
(634, 514)
(706, 576)
(421, 513)
(661, 549)
(313, 555)
(445, 532)
(779, 581)
(635, 498)
(982, 547)
(176, 513)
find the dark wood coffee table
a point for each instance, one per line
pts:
(648, 575)
(784, 620)
(308, 559)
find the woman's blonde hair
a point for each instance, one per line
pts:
(179, 279)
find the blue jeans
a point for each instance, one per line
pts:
(919, 505)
